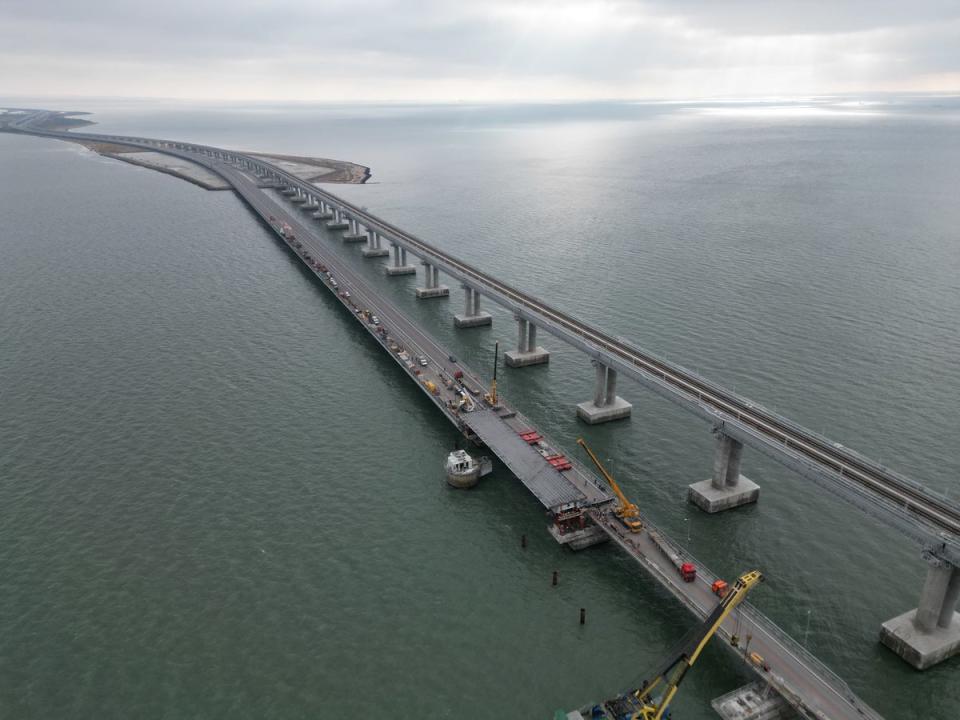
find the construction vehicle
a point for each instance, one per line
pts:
(720, 588)
(641, 704)
(687, 570)
(628, 513)
(491, 397)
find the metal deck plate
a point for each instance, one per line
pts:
(549, 486)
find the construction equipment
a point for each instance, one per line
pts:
(687, 570)
(491, 397)
(640, 704)
(628, 513)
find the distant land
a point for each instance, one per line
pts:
(310, 169)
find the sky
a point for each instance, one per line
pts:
(476, 50)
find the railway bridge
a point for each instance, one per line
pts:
(922, 636)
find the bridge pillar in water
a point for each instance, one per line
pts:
(472, 315)
(606, 404)
(353, 234)
(930, 633)
(727, 488)
(338, 222)
(373, 248)
(431, 283)
(527, 352)
(323, 212)
(400, 266)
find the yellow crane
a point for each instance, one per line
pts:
(628, 513)
(640, 704)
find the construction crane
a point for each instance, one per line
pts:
(628, 513)
(491, 397)
(640, 704)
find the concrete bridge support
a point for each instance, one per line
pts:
(606, 404)
(324, 212)
(431, 280)
(930, 633)
(339, 222)
(353, 234)
(472, 315)
(727, 488)
(298, 197)
(527, 352)
(400, 266)
(374, 248)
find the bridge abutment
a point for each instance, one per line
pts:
(527, 352)
(472, 315)
(727, 488)
(930, 633)
(606, 404)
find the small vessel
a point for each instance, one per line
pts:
(463, 471)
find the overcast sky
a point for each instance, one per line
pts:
(448, 50)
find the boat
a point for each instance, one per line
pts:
(463, 471)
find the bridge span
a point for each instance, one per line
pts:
(922, 636)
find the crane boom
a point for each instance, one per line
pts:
(640, 704)
(627, 509)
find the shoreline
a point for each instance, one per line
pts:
(310, 169)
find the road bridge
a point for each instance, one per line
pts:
(805, 683)
(922, 636)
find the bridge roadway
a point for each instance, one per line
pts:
(812, 689)
(925, 516)
(500, 431)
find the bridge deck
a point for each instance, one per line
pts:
(808, 685)
(549, 486)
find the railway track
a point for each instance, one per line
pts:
(937, 511)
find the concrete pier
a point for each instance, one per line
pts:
(472, 315)
(374, 248)
(606, 404)
(353, 234)
(400, 266)
(432, 287)
(338, 222)
(527, 352)
(324, 212)
(930, 633)
(727, 488)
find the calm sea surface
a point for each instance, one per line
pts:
(218, 499)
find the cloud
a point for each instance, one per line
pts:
(448, 49)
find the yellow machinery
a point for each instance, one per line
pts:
(628, 513)
(640, 704)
